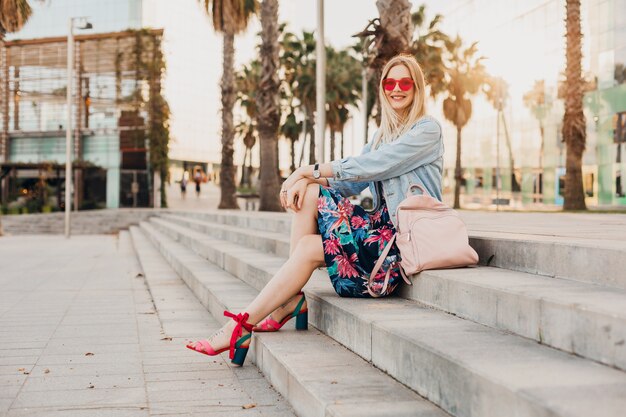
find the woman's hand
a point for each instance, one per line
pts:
(295, 176)
(294, 196)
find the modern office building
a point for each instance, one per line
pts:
(110, 114)
(523, 42)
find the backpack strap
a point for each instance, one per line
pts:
(377, 266)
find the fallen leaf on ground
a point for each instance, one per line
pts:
(139, 275)
(333, 382)
(46, 371)
(21, 370)
(248, 406)
(90, 386)
(88, 354)
(166, 338)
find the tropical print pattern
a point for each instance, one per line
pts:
(353, 241)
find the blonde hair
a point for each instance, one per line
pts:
(393, 125)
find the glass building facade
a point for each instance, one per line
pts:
(35, 115)
(190, 50)
(524, 43)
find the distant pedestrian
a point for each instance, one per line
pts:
(183, 186)
(197, 178)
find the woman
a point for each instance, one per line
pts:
(327, 230)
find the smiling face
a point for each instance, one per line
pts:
(400, 100)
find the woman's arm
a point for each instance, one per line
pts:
(345, 188)
(419, 146)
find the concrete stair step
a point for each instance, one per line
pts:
(271, 242)
(466, 368)
(257, 220)
(585, 319)
(581, 318)
(596, 261)
(313, 372)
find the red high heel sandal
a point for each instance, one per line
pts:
(302, 319)
(237, 349)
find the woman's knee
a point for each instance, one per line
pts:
(311, 196)
(310, 248)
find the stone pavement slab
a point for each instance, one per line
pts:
(82, 334)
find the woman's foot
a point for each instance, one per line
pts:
(295, 307)
(234, 335)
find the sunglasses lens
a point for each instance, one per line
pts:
(406, 84)
(389, 84)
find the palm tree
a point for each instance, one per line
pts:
(247, 84)
(574, 132)
(426, 43)
(298, 64)
(497, 91)
(13, 16)
(290, 129)
(229, 18)
(539, 104)
(247, 132)
(464, 78)
(268, 108)
(428, 47)
(386, 36)
(343, 83)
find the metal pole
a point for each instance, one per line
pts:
(320, 83)
(68, 128)
(364, 101)
(498, 162)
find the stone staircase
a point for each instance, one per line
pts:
(531, 337)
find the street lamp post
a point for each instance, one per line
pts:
(68, 127)
(320, 81)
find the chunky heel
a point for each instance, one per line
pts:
(240, 356)
(300, 313)
(302, 321)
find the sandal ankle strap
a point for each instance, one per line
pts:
(242, 323)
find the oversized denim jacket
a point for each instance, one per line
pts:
(414, 158)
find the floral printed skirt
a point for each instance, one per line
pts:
(353, 241)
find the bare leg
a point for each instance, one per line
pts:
(304, 222)
(287, 282)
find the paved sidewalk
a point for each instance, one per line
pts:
(80, 336)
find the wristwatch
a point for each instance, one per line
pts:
(316, 172)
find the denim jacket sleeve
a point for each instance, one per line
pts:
(421, 145)
(350, 188)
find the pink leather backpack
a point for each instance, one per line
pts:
(430, 235)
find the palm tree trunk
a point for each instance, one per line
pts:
(541, 129)
(268, 108)
(228, 198)
(395, 18)
(332, 144)
(457, 171)
(163, 188)
(574, 131)
(3, 149)
(514, 185)
(244, 166)
(342, 142)
(311, 120)
(292, 168)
